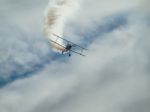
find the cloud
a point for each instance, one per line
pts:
(20, 45)
(144, 5)
(114, 76)
(18, 51)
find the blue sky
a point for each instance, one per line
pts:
(114, 76)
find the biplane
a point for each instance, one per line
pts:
(68, 46)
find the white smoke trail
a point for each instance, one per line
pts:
(56, 14)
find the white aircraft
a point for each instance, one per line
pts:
(68, 48)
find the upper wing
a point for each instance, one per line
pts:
(65, 48)
(74, 45)
(75, 48)
(57, 43)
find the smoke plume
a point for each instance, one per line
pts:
(56, 13)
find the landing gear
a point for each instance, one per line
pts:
(69, 54)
